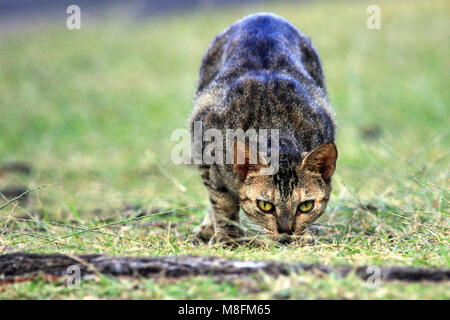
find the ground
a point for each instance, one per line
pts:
(90, 112)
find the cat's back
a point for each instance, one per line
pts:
(262, 72)
(261, 43)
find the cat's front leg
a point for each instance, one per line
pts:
(223, 217)
(225, 214)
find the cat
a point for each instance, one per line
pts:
(262, 72)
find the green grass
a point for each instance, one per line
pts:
(93, 111)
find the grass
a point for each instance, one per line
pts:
(93, 110)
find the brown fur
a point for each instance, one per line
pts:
(262, 73)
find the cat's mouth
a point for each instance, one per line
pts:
(285, 238)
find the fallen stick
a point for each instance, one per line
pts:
(24, 264)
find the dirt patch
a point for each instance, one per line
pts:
(15, 167)
(23, 265)
(15, 192)
(18, 193)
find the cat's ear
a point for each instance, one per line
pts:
(243, 162)
(321, 160)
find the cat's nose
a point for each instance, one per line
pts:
(285, 227)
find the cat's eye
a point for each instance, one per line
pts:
(265, 206)
(306, 206)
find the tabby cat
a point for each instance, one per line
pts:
(262, 72)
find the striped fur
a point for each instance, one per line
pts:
(262, 73)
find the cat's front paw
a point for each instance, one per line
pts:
(219, 240)
(203, 233)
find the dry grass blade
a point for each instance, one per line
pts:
(107, 225)
(25, 193)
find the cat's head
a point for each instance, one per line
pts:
(284, 204)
